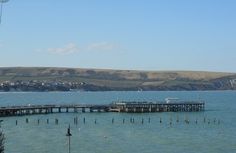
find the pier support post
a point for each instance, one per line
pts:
(83, 110)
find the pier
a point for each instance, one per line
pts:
(121, 106)
(142, 107)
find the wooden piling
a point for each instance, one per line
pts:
(76, 120)
(56, 121)
(177, 120)
(187, 121)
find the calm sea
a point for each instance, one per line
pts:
(119, 137)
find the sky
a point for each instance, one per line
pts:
(198, 35)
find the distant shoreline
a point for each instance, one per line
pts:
(44, 79)
(115, 91)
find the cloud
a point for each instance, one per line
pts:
(70, 48)
(102, 46)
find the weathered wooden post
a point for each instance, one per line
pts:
(76, 120)
(2, 139)
(187, 121)
(56, 121)
(68, 134)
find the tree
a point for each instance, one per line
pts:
(2, 138)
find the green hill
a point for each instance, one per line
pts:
(104, 79)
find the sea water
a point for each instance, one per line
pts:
(215, 135)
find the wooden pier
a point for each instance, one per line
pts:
(124, 106)
(142, 107)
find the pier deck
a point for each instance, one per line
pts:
(128, 107)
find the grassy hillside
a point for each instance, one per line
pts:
(124, 79)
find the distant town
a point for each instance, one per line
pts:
(36, 85)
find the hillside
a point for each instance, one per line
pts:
(65, 79)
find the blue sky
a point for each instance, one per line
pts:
(120, 34)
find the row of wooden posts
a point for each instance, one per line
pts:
(132, 120)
